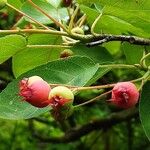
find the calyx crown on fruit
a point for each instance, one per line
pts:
(125, 95)
(60, 96)
(35, 91)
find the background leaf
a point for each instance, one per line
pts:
(120, 20)
(30, 58)
(15, 3)
(133, 53)
(74, 71)
(55, 3)
(10, 45)
(144, 108)
(60, 13)
(98, 54)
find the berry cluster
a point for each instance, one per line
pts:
(38, 93)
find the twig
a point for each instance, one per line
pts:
(35, 31)
(97, 40)
(48, 46)
(78, 88)
(93, 99)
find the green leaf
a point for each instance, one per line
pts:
(145, 108)
(133, 53)
(30, 58)
(15, 3)
(137, 19)
(54, 3)
(116, 21)
(10, 45)
(74, 71)
(60, 13)
(100, 73)
(98, 54)
(113, 47)
(127, 5)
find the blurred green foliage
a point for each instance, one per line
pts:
(129, 135)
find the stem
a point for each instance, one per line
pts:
(69, 14)
(119, 66)
(144, 79)
(142, 61)
(146, 76)
(95, 87)
(136, 80)
(69, 86)
(33, 31)
(69, 40)
(47, 15)
(42, 25)
(81, 21)
(94, 24)
(73, 17)
(92, 100)
(77, 88)
(48, 46)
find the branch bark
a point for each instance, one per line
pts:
(75, 133)
(107, 38)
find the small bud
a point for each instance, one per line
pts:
(66, 53)
(125, 95)
(35, 91)
(60, 96)
(77, 30)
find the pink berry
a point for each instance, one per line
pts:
(125, 95)
(35, 91)
(60, 96)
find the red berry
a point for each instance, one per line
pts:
(125, 95)
(60, 96)
(35, 91)
(61, 99)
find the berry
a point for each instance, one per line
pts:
(60, 96)
(66, 3)
(77, 30)
(35, 91)
(2, 3)
(66, 53)
(61, 99)
(125, 95)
